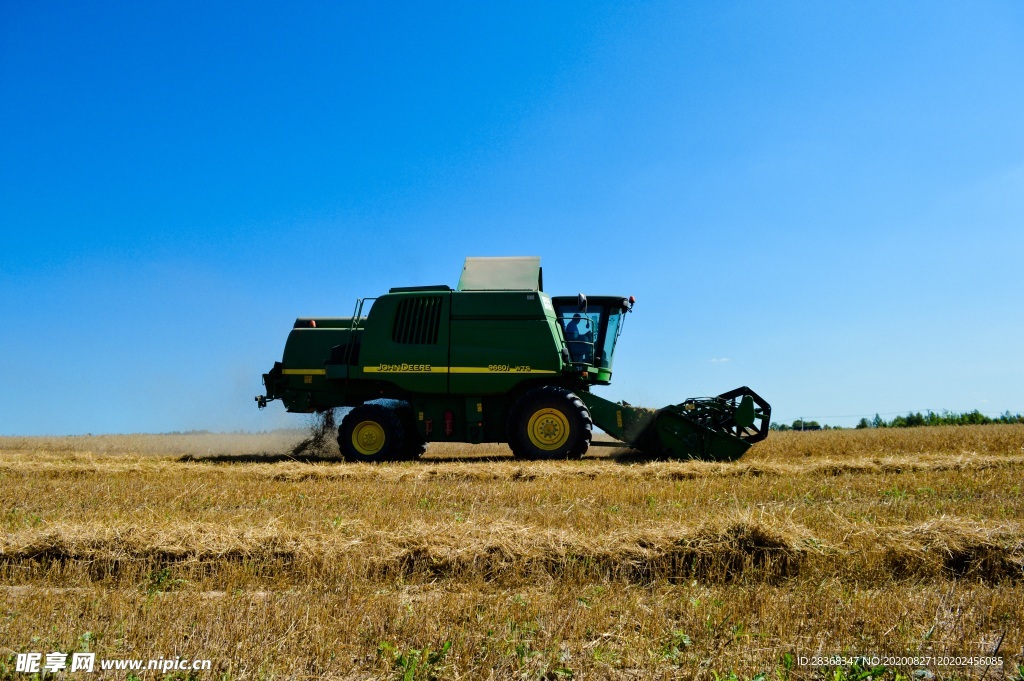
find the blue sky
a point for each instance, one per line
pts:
(822, 201)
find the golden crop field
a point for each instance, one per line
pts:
(471, 565)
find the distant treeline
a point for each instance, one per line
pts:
(912, 420)
(946, 418)
(800, 424)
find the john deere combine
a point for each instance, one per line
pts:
(495, 360)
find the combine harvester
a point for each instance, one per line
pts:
(495, 360)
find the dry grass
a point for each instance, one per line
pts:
(231, 548)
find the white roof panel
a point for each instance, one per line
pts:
(502, 274)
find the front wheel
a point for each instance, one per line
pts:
(550, 423)
(371, 433)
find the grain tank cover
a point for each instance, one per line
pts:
(502, 274)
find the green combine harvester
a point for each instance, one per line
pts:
(495, 360)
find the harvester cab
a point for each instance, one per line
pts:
(591, 328)
(494, 360)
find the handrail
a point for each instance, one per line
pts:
(357, 316)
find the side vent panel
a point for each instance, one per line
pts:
(417, 321)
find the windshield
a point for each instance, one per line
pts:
(610, 336)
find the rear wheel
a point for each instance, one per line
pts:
(371, 433)
(550, 423)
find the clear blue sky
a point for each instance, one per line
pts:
(823, 201)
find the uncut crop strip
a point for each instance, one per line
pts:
(295, 470)
(743, 550)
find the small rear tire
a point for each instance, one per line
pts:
(371, 433)
(550, 422)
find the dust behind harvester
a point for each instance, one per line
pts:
(494, 360)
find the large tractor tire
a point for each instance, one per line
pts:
(550, 423)
(372, 433)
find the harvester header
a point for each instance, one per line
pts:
(494, 360)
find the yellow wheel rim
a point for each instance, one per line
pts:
(548, 429)
(368, 437)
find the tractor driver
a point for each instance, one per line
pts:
(580, 341)
(575, 333)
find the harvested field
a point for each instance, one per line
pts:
(470, 564)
